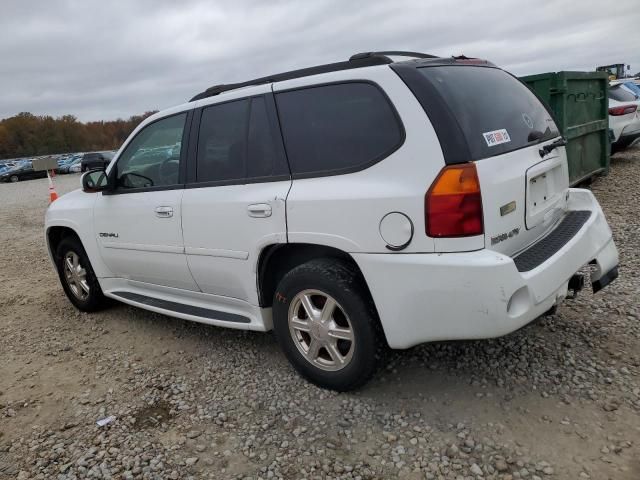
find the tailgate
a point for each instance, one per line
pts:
(484, 115)
(523, 196)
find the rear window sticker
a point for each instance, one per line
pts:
(496, 137)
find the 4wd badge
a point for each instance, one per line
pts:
(504, 236)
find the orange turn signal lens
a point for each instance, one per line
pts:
(453, 204)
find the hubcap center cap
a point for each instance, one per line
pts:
(319, 331)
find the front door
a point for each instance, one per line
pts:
(138, 224)
(234, 204)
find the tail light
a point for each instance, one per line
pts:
(623, 110)
(453, 204)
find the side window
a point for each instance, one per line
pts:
(264, 156)
(152, 159)
(337, 127)
(221, 142)
(237, 142)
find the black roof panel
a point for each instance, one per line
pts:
(359, 60)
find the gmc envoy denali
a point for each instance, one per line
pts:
(350, 207)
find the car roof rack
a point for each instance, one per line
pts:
(391, 53)
(365, 59)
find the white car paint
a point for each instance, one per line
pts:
(627, 125)
(624, 125)
(423, 298)
(206, 255)
(148, 248)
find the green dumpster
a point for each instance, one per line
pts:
(579, 102)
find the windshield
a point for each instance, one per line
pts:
(496, 112)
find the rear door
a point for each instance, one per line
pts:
(234, 203)
(503, 127)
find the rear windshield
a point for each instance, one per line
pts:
(620, 94)
(496, 112)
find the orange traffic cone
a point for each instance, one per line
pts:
(53, 195)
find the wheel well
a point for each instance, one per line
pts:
(277, 260)
(55, 236)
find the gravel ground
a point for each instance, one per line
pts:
(558, 399)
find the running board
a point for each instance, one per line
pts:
(182, 308)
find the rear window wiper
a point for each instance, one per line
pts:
(546, 150)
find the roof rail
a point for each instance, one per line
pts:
(391, 53)
(364, 61)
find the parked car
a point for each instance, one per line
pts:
(62, 159)
(75, 167)
(624, 117)
(384, 204)
(93, 160)
(7, 166)
(632, 87)
(24, 171)
(68, 163)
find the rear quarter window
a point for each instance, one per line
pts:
(337, 128)
(495, 112)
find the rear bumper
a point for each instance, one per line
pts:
(627, 138)
(470, 295)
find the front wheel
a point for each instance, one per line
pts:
(77, 277)
(14, 178)
(326, 324)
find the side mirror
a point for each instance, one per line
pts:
(95, 181)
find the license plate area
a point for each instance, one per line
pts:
(545, 192)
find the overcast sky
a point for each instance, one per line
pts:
(99, 59)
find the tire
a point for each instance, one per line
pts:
(354, 311)
(14, 178)
(92, 300)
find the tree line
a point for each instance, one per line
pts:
(26, 135)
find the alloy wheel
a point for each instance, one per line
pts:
(76, 276)
(321, 330)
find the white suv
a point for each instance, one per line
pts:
(349, 207)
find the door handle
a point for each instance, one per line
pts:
(164, 212)
(259, 210)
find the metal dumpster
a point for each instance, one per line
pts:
(579, 102)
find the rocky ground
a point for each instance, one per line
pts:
(559, 399)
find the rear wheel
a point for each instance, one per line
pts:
(326, 324)
(77, 277)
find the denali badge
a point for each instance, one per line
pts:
(108, 235)
(503, 236)
(508, 208)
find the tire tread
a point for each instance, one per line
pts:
(349, 280)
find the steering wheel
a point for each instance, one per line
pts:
(169, 170)
(124, 179)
